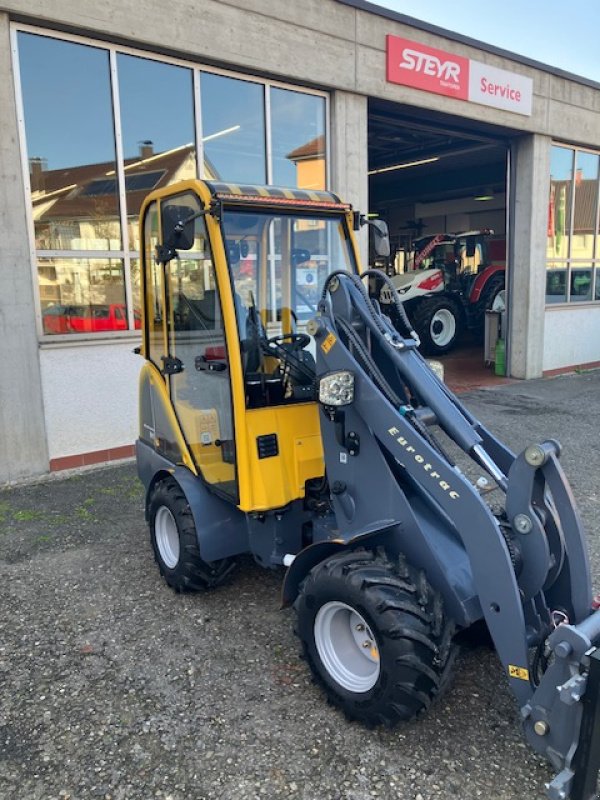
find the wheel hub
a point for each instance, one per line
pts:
(167, 537)
(443, 327)
(347, 647)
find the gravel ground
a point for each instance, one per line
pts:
(115, 687)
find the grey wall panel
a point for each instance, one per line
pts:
(22, 430)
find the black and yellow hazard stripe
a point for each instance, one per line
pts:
(276, 195)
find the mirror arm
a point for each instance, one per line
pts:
(183, 222)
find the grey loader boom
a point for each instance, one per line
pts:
(523, 569)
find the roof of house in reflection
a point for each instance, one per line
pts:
(584, 213)
(90, 191)
(313, 149)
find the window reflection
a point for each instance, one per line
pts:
(556, 285)
(83, 295)
(233, 123)
(70, 144)
(581, 284)
(158, 146)
(584, 212)
(561, 175)
(75, 183)
(298, 134)
(572, 224)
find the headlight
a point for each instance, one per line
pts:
(337, 389)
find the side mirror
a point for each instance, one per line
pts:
(471, 248)
(178, 227)
(381, 234)
(381, 237)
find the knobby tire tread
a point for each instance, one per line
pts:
(406, 616)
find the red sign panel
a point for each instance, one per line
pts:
(414, 64)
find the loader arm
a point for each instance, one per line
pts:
(526, 572)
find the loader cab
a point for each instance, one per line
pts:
(229, 281)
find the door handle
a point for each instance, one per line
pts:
(202, 365)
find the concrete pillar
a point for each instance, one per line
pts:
(23, 449)
(349, 156)
(530, 177)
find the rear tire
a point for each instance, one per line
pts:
(375, 636)
(439, 323)
(493, 288)
(175, 542)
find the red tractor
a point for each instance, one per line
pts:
(450, 282)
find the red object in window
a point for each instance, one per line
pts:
(88, 319)
(432, 282)
(596, 602)
(215, 352)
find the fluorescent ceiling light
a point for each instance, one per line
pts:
(224, 132)
(483, 197)
(404, 166)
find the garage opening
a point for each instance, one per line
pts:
(441, 184)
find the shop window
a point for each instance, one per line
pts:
(88, 262)
(573, 226)
(158, 132)
(561, 181)
(556, 285)
(82, 295)
(581, 284)
(584, 210)
(233, 129)
(70, 143)
(298, 139)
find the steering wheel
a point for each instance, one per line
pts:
(298, 341)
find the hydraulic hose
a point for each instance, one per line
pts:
(396, 298)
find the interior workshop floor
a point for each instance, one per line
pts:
(464, 369)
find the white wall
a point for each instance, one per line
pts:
(90, 396)
(571, 337)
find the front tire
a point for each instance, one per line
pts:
(438, 322)
(375, 636)
(175, 542)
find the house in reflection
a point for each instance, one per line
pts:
(78, 209)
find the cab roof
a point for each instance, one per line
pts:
(244, 194)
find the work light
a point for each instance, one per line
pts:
(337, 388)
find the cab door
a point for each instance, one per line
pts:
(196, 365)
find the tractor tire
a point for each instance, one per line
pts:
(375, 636)
(493, 287)
(175, 542)
(439, 323)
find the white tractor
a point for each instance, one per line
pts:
(450, 281)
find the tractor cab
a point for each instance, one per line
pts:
(460, 256)
(230, 277)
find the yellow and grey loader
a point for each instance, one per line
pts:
(283, 415)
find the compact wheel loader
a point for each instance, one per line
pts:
(282, 414)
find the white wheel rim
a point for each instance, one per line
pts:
(167, 537)
(347, 647)
(442, 327)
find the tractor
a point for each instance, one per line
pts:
(283, 415)
(451, 281)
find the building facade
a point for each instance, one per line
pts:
(104, 103)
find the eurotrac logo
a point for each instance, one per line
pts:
(426, 68)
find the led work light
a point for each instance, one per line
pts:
(337, 388)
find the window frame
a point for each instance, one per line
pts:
(126, 254)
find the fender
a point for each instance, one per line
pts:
(446, 560)
(481, 282)
(211, 513)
